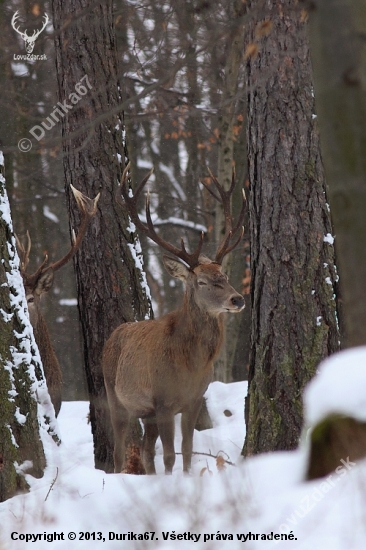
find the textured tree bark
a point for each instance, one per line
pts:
(20, 439)
(110, 284)
(294, 321)
(337, 32)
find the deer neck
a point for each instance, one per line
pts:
(45, 347)
(202, 332)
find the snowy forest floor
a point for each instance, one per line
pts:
(213, 507)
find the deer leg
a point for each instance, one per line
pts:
(120, 421)
(188, 423)
(148, 444)
(165, 422)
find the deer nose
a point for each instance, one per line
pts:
(238, 301)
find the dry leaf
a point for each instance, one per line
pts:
(205, 469)
(251, 50)
(263, 29)
(220, 463)
(304, 16)
(36, 10)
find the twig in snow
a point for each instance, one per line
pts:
(213, 456)
(52, 484)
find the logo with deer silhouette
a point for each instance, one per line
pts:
(29, 41)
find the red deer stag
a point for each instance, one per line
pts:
(41, 282)
(158, 368)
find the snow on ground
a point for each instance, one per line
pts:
(261, 497)
(344, 373)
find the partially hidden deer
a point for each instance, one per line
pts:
(155, 369)
(40, 282)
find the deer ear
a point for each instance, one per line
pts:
(44, 282)
(175, 268)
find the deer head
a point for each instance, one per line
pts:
(207, 287)
(202, 276)
(28, 40)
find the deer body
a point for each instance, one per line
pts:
(153, 355)
(51, 366)
(156, 369)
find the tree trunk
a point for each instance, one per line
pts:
(335, 436)
(23, 422)
(227, 128)
(294, 321)
(110, 279)
(337, 47)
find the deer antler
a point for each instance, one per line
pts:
(88, 209)
(230, 232)
(24, 260)
(131, 202)
(23, 252)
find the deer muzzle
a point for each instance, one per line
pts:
(236, 303)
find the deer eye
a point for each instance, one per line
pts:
(217, 285)
(30, 300)
(202, 283)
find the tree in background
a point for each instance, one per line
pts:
(337, 48)
(294, 321)
(25, 425)
(111, 283)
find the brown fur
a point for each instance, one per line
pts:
(51, 366)
(156, 369)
